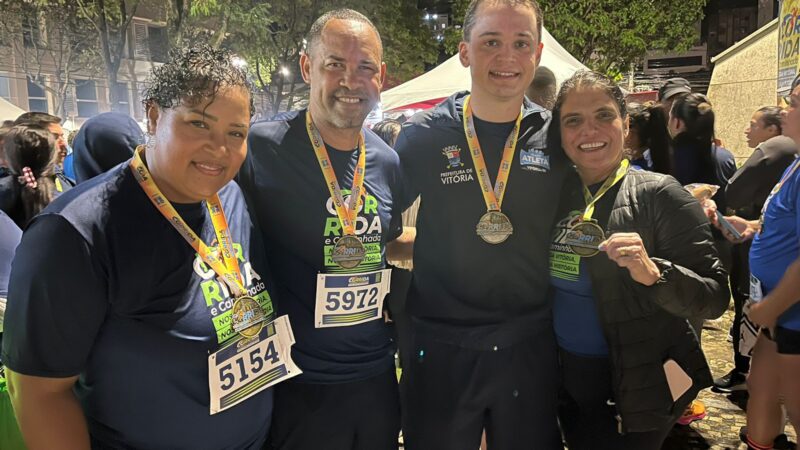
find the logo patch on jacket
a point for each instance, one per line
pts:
(534, 160)
(454, 173)
(453, 155)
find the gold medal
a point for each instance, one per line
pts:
(584, 238)
(348, 252)
(247, 317)
(494, 227)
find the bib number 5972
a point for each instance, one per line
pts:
(348, 300)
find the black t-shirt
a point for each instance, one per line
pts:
(476, 293)
(287, 193)
(105, 288)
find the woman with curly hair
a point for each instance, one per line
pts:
(155, 333)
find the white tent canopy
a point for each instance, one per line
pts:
(451, 76)
(9, 111)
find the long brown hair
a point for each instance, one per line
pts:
(31, 149)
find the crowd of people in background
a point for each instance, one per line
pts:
(561, 250)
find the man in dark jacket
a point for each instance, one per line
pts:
(746, 192)
(484, 355)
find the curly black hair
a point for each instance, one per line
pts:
(193, 74)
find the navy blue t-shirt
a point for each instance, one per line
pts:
(288, 195)
(575, 317)
(778, 244)
(104, 287)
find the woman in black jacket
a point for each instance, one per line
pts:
(630, 261)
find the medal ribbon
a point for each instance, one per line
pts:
(227, 268)
(492, 197)
(347, 213)
(591, 200)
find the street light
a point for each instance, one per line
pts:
(285, 71)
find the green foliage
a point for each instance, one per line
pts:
(609, 35)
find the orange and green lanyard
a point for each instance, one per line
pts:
(227, 267)
(347, 213)
(493, 197)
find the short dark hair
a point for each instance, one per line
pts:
(193, 74)
(37, 118)
(387, 130)
(315, 33)
(771, 116)
(472, 10)
(34, 147)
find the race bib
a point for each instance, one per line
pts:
(245, 367)
(756, 293)
(350, 299)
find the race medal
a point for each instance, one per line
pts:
(494, 227)
(242, 368)
(348, 252)
(584, 238)
(247, 317)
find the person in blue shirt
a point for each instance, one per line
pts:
(117, 329)
(775, 297)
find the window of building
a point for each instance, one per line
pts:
(31, 35)
(150, 42)
(5, 88)
(123, 95)
(37, 98)
(158, 43)
(86, 98)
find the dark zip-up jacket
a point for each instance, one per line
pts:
(645, 326)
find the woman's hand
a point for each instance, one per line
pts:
(627, 250)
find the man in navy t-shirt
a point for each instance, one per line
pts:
(330, 263)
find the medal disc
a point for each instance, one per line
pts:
(584, 238)
(494, 227)
(247, 317)
(348, 252)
